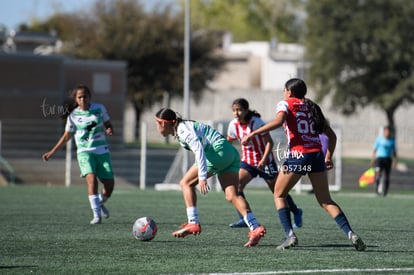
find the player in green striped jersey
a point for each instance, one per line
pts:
(89, 124)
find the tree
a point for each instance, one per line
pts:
(250, 19)
(361, 52)
(152, 43)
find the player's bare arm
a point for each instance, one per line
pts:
(61, 142)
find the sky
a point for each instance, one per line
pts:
(15, 12)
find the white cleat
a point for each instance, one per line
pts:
(290, 241)
(96, 220)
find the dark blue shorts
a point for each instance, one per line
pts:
(270, 171)
(304, 163)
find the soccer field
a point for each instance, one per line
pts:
(46, 230)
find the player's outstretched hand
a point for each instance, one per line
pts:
(204, 187)
(46, 156)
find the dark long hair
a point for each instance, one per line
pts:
(321, 123)
(245, 105)
(70, 102)
(298, 89)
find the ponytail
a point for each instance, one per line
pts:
(251, 114)
(321, 123)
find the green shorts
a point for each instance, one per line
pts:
(222, 157)
(100, 165)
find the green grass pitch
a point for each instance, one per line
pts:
(46, 230)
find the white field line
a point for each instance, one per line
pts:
(320, 271)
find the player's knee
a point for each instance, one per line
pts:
(184, 183)
(230, 197)
(279, 195)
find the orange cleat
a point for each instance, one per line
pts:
(187, 229)
(255, 235)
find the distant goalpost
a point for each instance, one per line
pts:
(176, 170)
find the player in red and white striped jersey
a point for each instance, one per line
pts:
(257, 157)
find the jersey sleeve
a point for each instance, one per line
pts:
(70, 125)
(231, 131)
(258, 122)
(188, 136)
(105, 115)
(282, 106)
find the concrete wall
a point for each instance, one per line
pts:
(33, 90)
(36, 86)
(106, 79)
(25, 81)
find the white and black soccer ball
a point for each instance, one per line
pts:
(144, 229)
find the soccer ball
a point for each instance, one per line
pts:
(144, 229)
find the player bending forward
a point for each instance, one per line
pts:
(213, 155)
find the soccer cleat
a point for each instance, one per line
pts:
(183, 225)
(255, 236)
(187, 229)
(357, 242)
(105, 211)
(96, 220)
(297, 218)
(290, 241)
(239, 224)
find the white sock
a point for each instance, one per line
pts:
(95, 205)
(102, 198)
(251, 221)
(192, 215)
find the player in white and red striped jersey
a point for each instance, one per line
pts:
(256, 157)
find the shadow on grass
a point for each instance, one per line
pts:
(17, 266)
